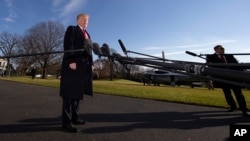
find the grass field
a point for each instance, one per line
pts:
(197, 96)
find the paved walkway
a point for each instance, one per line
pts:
(32, 113)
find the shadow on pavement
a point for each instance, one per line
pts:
(131, 121)
(32, 125)
(168, 120)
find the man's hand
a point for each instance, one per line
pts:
(72, 66)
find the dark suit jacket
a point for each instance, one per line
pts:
(75, 83)
(214, 58)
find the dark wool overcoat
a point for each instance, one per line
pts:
(75, 83)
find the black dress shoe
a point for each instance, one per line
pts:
(79, 121)
(231, 110)
(246, 114)
(70, 128)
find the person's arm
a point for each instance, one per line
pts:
(69, 45)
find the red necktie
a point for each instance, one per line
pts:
(85, 34)
(222, 57)
(85, 37)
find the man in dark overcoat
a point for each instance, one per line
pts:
(76, 72)
(220, 57)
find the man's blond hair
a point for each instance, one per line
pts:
(81, 15)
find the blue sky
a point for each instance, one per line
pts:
(146, 26)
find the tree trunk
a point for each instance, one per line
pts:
(111, 70)
(44, 72)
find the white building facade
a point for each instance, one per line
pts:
(3, 64)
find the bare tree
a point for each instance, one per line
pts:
(97, 68)
(102, 68)
(46, 37)
(136, 69)
(8, 45)
(24, 63)
(122, 70)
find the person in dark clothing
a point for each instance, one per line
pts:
(76, 72)
(220, 57)
(33, 73)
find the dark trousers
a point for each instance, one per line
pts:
(239, 97)
(70, 109)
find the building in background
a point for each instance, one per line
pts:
(3, 64)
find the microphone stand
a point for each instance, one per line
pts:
(194, 54)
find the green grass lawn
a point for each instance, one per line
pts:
(198, 96)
